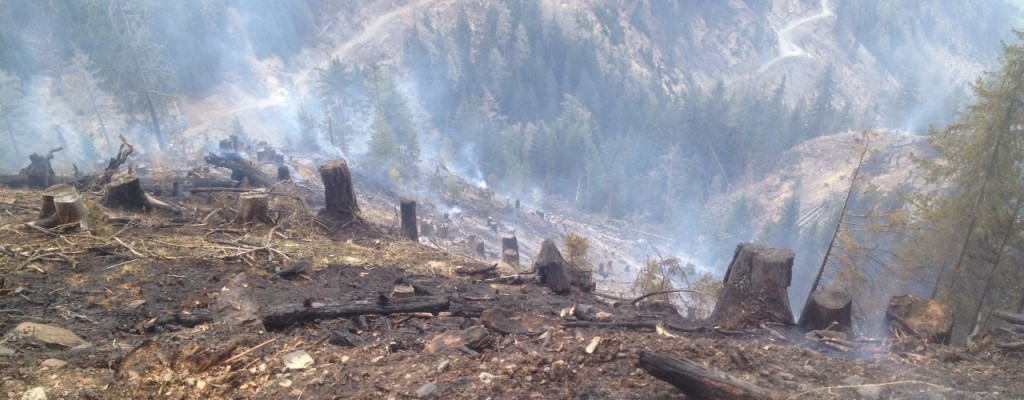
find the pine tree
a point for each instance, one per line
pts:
(979, 167)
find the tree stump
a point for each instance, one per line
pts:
(755, 288)
(339, 193)
(924, 319)
(481, 250)
(62, 205)
(283, 174)
(408, 215)
(124, 192)
(827, 307)
(253, 207)
(510, 250)
(552, 269)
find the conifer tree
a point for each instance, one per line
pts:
(979, 167)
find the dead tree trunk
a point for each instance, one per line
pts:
(253, 207)
(755, 288)
(62, 205)
(510, 250)
(924, 319)
(241, 169)
(408, 213)
(339, 192)
(552, 268)
(699, 382)
(826, 307)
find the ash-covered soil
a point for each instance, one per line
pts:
(168, 305)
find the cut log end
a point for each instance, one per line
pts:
(62, 206)
(253, 207)
(828, 309)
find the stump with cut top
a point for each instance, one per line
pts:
(510, 250)
(830, 309)
(62, 205)
(339, 192)
(756, 288)
(253, 207)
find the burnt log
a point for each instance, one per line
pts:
(830, 309)
(1016, 319)
(290, 314)
(408, 216)
(253, 207)
(339, 192)
(62, 205)
(510, 250)
(699, 382)
(756, 288)
(14, 181)
(923, 319)
(552, 269)
(241, 169)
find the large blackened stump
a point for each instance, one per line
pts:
(339, 192)
(408, 215)
(756, 288)
(552, 268)
(829, 309)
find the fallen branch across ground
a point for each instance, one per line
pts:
(294, 313)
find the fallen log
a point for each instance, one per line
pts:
(294, 313)
(699, 382)
(1017, 319)
(241, 169)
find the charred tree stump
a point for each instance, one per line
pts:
(827, 307)
(62, 205)
(755, 288)
(924, 319)
(39, 172)
(510, 250)
(699, 382)
(408, 214)
(283, 174)
(125, 192)
(253, 207)
(241, 169)
(481, 250)
(339, 192)
(552, 269)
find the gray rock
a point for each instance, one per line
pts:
(36, 393)
(427, 390)
(47, 334)
(53, 363)
(5, 351)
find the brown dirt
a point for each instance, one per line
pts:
(142, 290)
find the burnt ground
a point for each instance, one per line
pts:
(147, 292)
